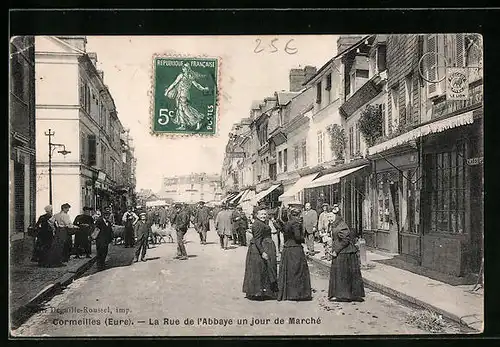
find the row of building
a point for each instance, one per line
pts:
(63, 119)
(376, 130)
(190, 188)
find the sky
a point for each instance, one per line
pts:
(249, 70)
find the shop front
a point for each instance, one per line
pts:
(452, 199)
(333, 188)
(295, 192)
(391, 205)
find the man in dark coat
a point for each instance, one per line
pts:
(44, 237)
(241, 224)
(85, 222)
(104, 238)
(202, 221)
(142, 232)
(181, 221)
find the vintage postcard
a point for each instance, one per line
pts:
(314, 185)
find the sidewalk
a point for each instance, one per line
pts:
(30, 284)
(458, 303)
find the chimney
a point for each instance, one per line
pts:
(296, 79)
(93, 57)
(346, 41)
(299, 76)
(309, 72)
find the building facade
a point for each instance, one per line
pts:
(22, 163)
(80, 113)
(192, 188)
(377, 131)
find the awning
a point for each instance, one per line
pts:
(297, 187)
(229, 197)
(332, 178)
(431, 128)
(237, 197)
(263, 194)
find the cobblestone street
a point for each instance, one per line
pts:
(156, 297)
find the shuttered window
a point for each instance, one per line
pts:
(431, 61)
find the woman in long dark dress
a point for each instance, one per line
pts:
(260, 281)
(294, 281)
(346, 283)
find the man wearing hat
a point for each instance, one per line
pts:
(142, 231)
(323, 220)
(202, 221)
(181, 221)
(310, 218)
(85, 224)
(63, 223)
(104, 237)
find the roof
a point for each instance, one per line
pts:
(320, 71)
(285, 97)
(256, 104)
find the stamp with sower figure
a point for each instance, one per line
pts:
(185, 95)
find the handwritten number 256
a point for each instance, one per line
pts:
(273, 49)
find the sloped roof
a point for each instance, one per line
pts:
(285, 97)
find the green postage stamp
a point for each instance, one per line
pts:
(185, 95)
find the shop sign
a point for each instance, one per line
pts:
(475, 161)
(448, 106)
(457, 86)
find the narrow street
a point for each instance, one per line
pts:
(156, 297)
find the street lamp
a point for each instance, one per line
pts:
(52, 147)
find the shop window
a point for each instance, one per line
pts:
(383, 201)
(446, 190)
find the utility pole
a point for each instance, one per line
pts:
(53, 146)
(50, 133)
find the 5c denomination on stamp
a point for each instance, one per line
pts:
(185, 95)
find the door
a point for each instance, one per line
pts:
(476, 183)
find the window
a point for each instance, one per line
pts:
(383, 197)
(357, 148)
(17, 73)
(347, 83)
(318, 93)
(82, 93)
(328, 82)
(280, 161)
(83, 143)
(409, 99)
(285, 160)
(304, 153)
(92, 148)
(352, 79)
(384, 118)
(296, 156)
(321, 147)
(445, 185)
(351, 141)
(381, 55)
(394, 109)
(362, 73)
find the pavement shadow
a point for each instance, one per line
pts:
(192, 256)
(152, 258)
(211, 243)
(232, 247)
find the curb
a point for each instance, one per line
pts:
(50, 290)
(404, 297)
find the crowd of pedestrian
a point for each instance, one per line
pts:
(57, 237)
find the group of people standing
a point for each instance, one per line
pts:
(54, 236)
(262, 280)
(231, 224)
